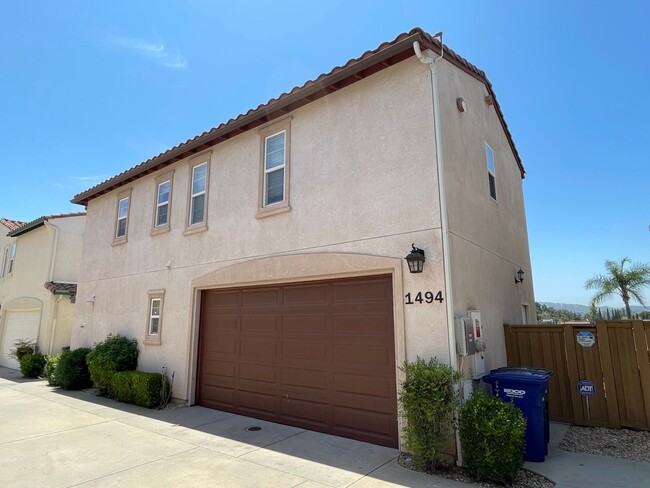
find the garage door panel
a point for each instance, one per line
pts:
(305, 295)
(18, 326)
(297, 409)
(371, 324)
(306, 379)
(258, 372)
(364, 354)
(258, 325)
(362, 291)
(304, 352)
(316, 355)
(258, 349)
(379, 386)
(261, 297)
(304, 325)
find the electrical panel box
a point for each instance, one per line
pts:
(478, 360)
(465, 338)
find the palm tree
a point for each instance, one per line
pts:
(627, 283)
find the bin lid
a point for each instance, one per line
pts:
(526, 375)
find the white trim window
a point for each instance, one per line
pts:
(198, 194)
(492, 179)
(155, 312)
(12, 258)
(122, 217)
(162, 203)
(274, 165)
(5, 257)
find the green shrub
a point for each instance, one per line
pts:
(32, 365)
(72, 371)
(23, 348)
(50, 370)
(492, 437)
(139, 388)
(116, 353)
(428, 401)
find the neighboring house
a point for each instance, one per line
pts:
(263, 261)
(38, 283)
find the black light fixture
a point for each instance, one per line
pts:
(519, 277)
(415, 259)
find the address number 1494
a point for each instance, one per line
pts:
(423, 297)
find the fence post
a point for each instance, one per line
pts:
(643, 361)
(572, 369)
(602, 341)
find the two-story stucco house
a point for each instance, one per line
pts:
(264, 260)
(38, 282)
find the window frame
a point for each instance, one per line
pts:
(159, 181)
(492, 177)
(11, 264)
(154, 295)
(123, 195)
(5, 258)
(204, 158)
(267, 132)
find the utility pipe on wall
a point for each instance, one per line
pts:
(435, 92)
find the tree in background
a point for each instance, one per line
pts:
(628, 283)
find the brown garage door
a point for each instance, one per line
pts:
(318, 355)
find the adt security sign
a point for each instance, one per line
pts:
(586, 388)
(585, 338)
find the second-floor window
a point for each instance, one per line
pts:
(122, 217)
(198, 194)
(5, 257)
(492, 179)
(12, 258)
(162, 203)
(274, 162)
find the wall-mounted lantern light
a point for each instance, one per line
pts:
(519, 276)
(415, 259)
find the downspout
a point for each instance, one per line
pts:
(435, 91)
(55, 245)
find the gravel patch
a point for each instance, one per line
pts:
(524, 479)
(618, 443)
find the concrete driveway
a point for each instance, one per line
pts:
(54, 438)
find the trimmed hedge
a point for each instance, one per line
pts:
(138, 388)
(71, 372)
(32, 365)
(492, 437)
(116, 353)
(50, 370)
(428, 402)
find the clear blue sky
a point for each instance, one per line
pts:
(89, 89)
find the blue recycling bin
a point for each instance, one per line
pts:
(527, 389)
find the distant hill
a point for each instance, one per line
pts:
(572, 307)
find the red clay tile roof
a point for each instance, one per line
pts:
(62, 288)
(370, 62)
(11, 224)
(23, 229)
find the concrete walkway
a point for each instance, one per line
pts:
(53, 438)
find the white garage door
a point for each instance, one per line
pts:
(19, 325)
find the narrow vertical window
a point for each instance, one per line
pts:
(122, 217)
(12, 258)
(154, 316)
(5, 256)
(198, 192)
(274, 163)
(489, 157)
(153, 330)
(162, 204)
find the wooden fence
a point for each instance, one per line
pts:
(601, 373)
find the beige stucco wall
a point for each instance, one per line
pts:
(363, 187)
(488, 239)
(24, 289)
